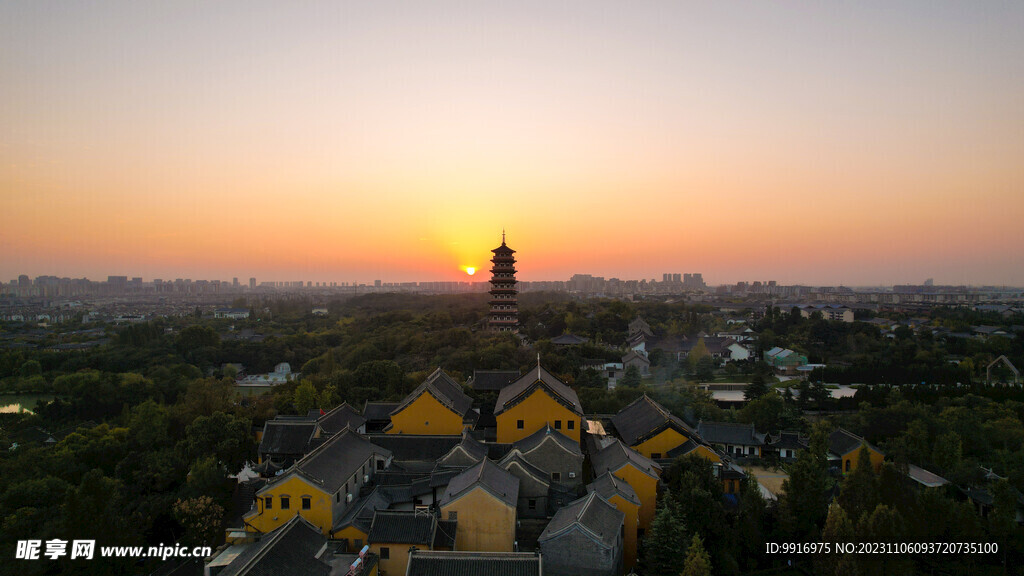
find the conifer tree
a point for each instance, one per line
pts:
(698, 562)
(664, 542)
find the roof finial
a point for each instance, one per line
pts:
(502, 235)
(538, 366)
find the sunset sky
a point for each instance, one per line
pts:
(819, 143)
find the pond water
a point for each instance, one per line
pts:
(14, 403)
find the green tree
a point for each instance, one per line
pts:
(305, 397)
(705, 369)
(838, 529)
(662, 544)
(698, 562)
(948, 451)
(699, 350)
(758, 385)
(200, 517)
(859, 493)
(805, 489)
(631, 379)
(222, 436)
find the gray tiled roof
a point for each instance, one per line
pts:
(516, 457)
(360, 513)
(730, 433)
(468, 451)
(643, 417)
(414, 447)
(492, 380)
(444, 389)
(488, 475)
(616, 455)
(437, 563)
(341, 417)
(287, 436)
(842, 442)
(593, 514)
(333, 463)
(291, 549)
(608, 485)
(518, 390)
(379, 411)
(788, 441)
(444, 536)
(568, 340)
(548, 434)
(402, 527)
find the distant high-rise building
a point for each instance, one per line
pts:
(24, 281)
(252, 283)
(677, 278)
(234, 282)
(504, 315)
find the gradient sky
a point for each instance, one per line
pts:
(816, 143)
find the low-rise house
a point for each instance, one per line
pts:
(232, 313)
(620, 494)
(296, 547)
(650, 429)
(640, 472)
(786, 445)
(483, 500)
(393, 533)
(284, 441)
(732, 438)
(534, 485)
(638, 360)
(469, 563)
(784, 360)
(321, 486)
(559, 456)
(437, 406)
(536, 400)
(844, 451)
(584, 538)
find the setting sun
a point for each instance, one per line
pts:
(470, 270)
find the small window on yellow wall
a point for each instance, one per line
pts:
(558, 424)
(385, 553)
(520, 424)
(306, 502)
(570, 424)
(285, 502)
(268, 502)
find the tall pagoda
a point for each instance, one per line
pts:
(504, 315)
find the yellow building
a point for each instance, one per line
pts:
(319, 487)
(482, 499)
(844, 451)
(640, 472)
(534, 401)
(393, 533)
(621, 495)
(438, 406)
(650, 429)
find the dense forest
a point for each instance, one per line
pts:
(138, 442)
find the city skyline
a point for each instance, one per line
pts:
(826, 145)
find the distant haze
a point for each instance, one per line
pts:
(818, 143)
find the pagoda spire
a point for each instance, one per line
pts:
(504, 314)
